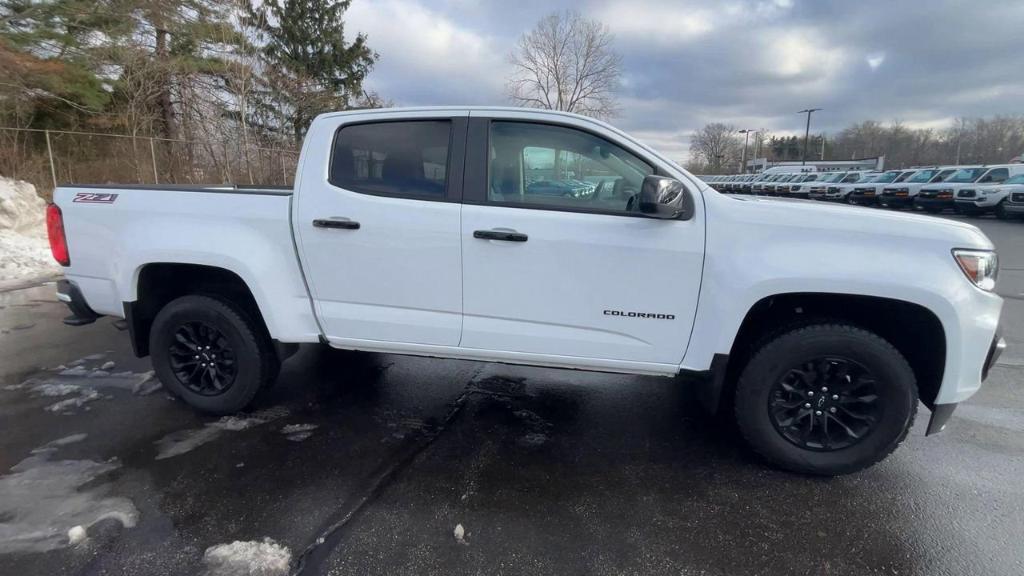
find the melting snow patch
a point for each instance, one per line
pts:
(293, 428)
(56, 389)
(253, 558)
(50, 446)
(76, 371)
(108, 365)
(298, 432)
(533, 439)
(86, 395)
(76, 534)
(147, 385)
(182, 441)
(40, 499)
(460, 535)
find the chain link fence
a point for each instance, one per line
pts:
(48, 158)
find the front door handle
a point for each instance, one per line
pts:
(504, 235)
(342, 223)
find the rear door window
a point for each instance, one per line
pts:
(407, 159)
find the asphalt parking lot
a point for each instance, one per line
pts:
(369, 463)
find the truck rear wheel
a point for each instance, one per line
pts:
(211, 354)
(826, 399)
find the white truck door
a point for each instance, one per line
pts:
(556, 259)
(377, 224)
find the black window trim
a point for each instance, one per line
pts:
(477, 170)
(454, 171)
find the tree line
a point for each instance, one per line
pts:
(179, 68)
(214, 81)
(718, 148)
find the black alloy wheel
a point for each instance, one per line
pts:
(828, 403)
(202, 359)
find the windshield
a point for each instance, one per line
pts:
(904, 176)
(966, 175)
(922, 176)
(832, 177)
(941, 176)
(850, 178)
(887, 177)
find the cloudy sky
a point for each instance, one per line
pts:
(749, 63)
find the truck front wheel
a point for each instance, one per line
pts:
(211, 354)
(826, 399)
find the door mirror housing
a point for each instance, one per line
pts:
(667, 198)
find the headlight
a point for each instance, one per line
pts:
(980, 266)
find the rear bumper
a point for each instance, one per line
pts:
(81, 313)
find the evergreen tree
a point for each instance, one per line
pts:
(310, 66)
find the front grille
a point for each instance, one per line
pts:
(833, 189)
(929, 193)
(967, 194)
(1017, 197)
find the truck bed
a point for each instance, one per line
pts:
(114, 231)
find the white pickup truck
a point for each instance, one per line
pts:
(544, 238)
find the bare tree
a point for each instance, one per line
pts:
(566, 63)
(714, 146)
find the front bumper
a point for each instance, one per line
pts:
(893, 201)
(934, 203)
(863, 198)
(970, 207)
(942, 412)
(81, 313)
(1013, 208)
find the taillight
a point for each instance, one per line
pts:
(55, 229)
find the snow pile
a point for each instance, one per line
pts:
(24, 248)
(263, 558)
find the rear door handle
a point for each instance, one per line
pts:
(342, 223)
(504, 235)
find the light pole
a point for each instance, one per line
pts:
(743, 160)
(807, 130)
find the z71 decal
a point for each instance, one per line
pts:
(95, 198)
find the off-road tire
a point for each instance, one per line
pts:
(257, 360)
(896, 384)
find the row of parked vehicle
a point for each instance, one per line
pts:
(972, 190)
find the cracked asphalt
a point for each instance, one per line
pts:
(364, 463)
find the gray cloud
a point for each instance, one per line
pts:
(749, 63)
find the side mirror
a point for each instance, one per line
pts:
(668, 198)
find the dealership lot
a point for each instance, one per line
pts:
(368, 463)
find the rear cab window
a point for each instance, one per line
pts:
(405, 159)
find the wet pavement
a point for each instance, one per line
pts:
(359, 463)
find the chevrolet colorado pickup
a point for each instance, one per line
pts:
(426, 231)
